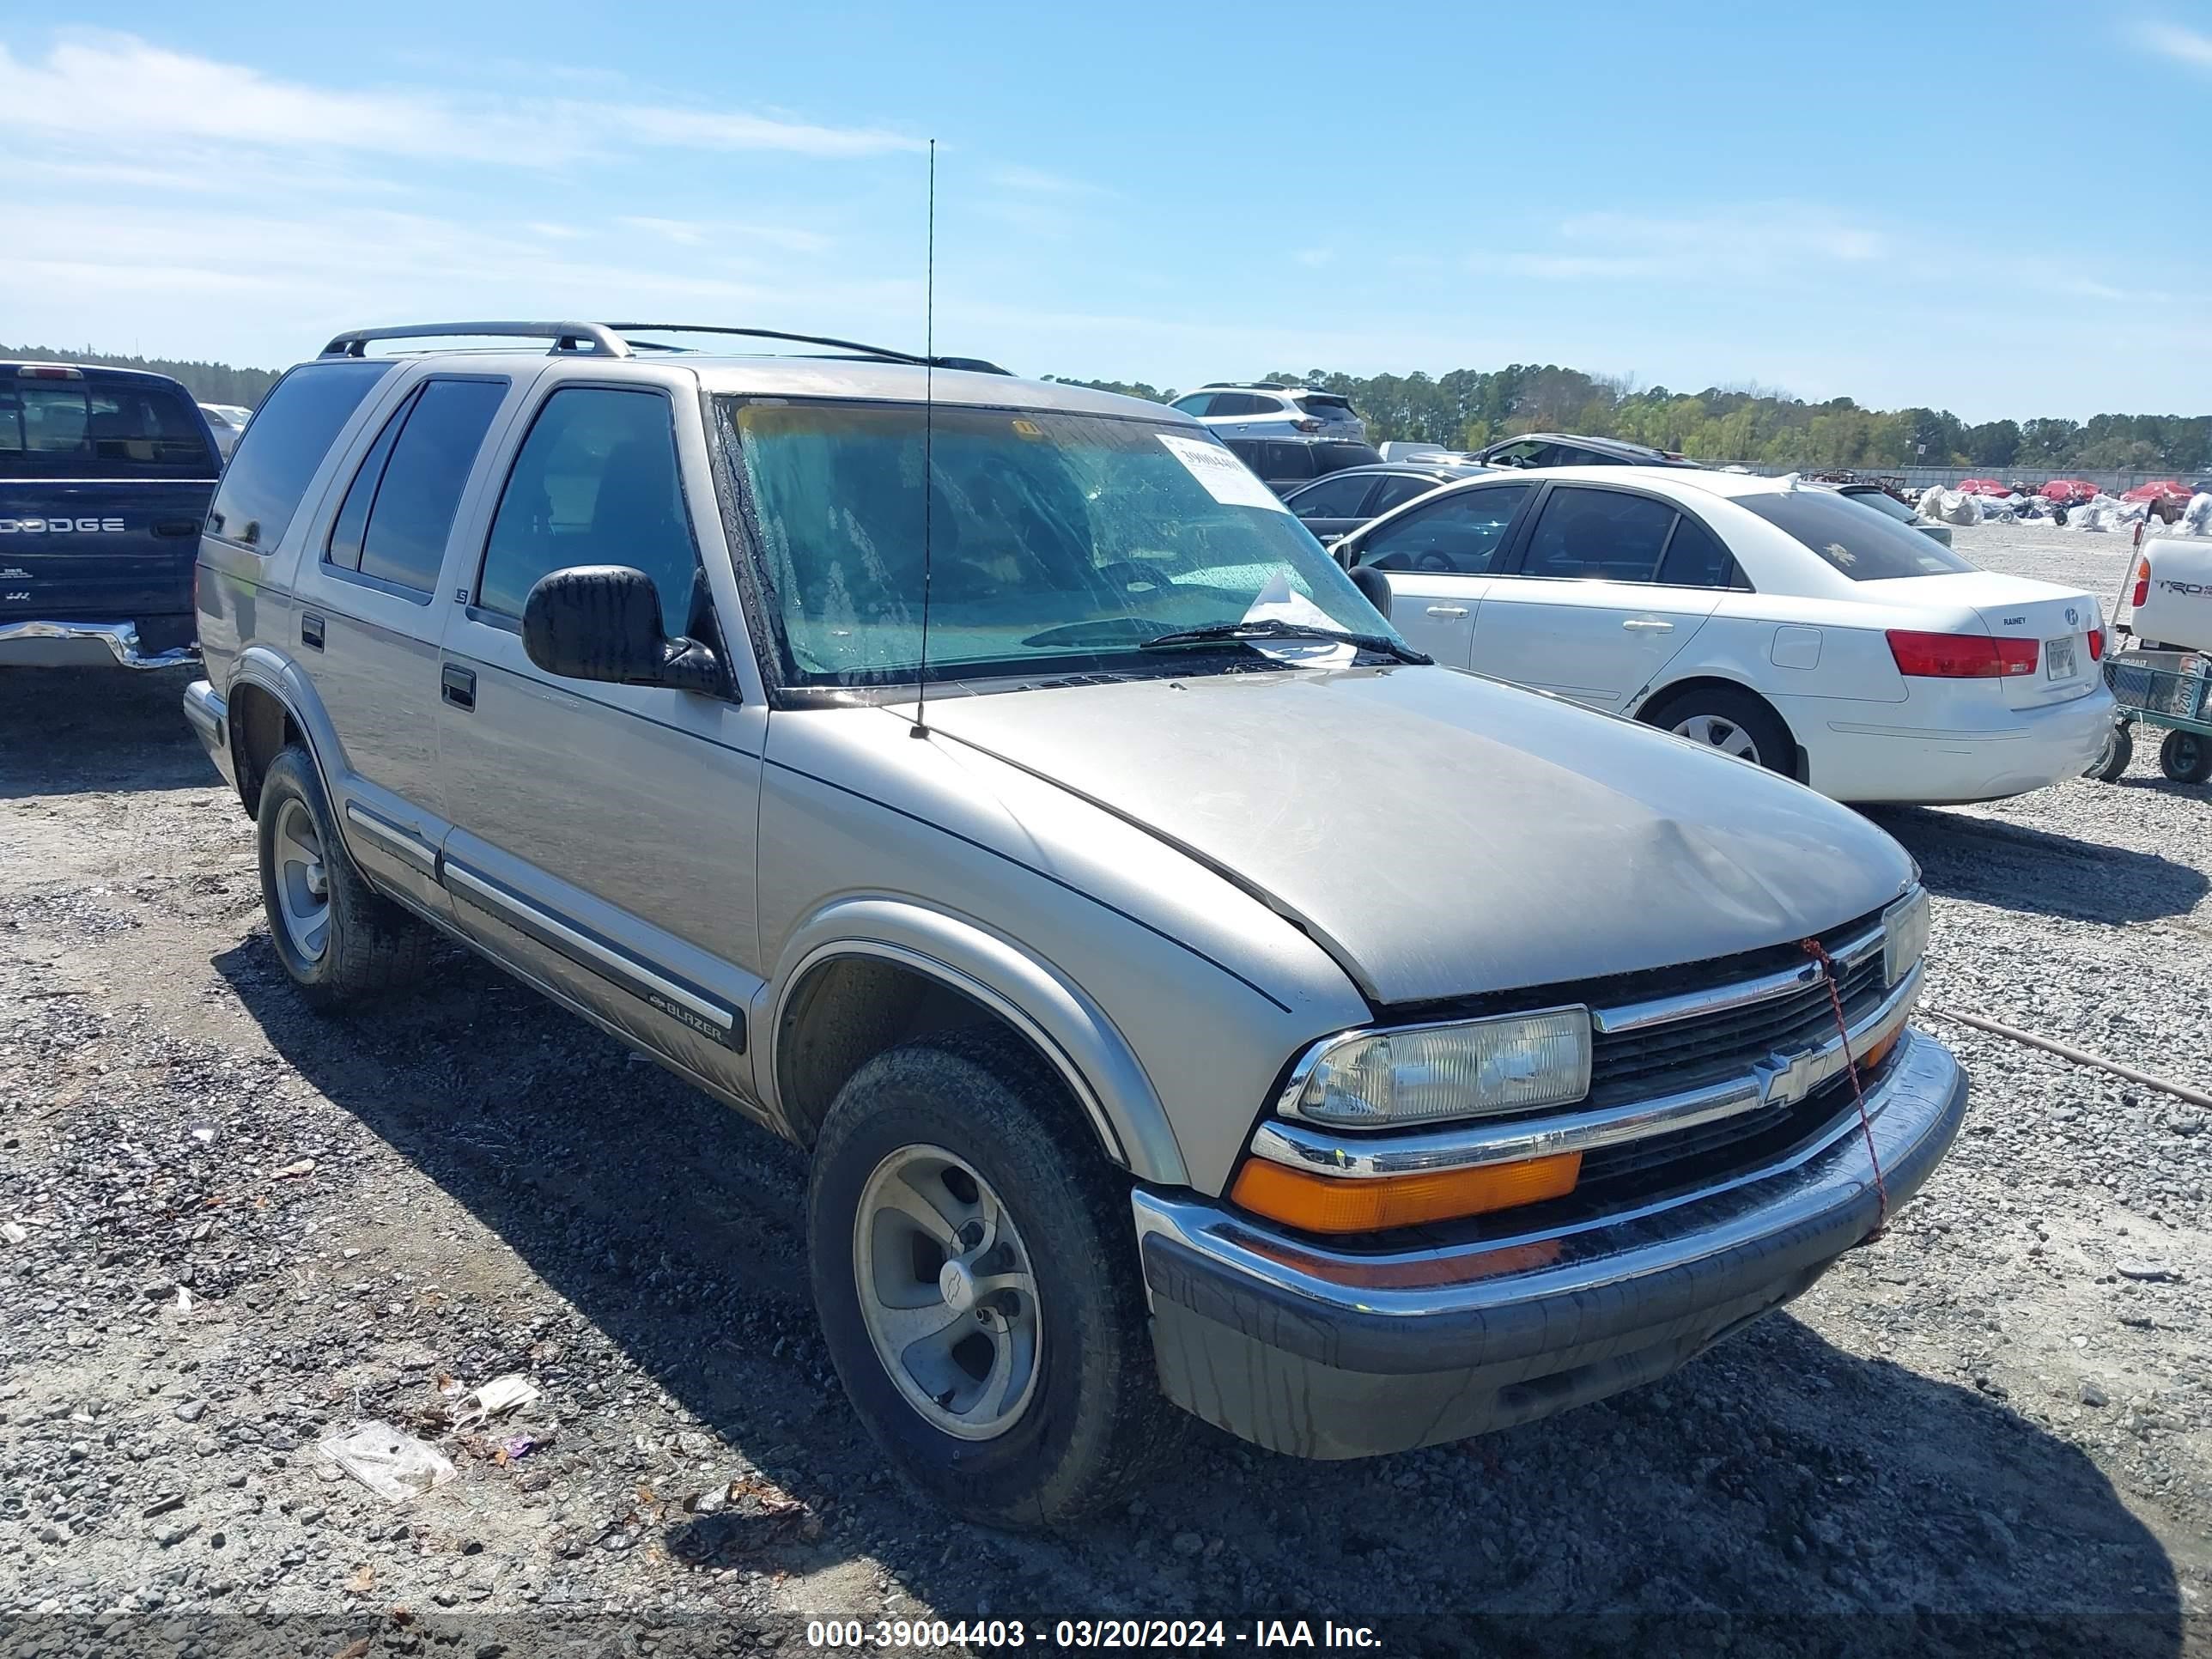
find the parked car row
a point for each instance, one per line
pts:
(1189, 991)
(1789, 625)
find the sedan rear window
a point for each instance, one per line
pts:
(1856, 539)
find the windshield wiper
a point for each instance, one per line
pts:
(1273, 627)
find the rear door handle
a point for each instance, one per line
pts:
(1447, 610)
(1646, 625)
(311, 629)
(457, 686)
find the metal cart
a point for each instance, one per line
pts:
(2168, 689)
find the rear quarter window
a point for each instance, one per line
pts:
(278, 455)
(1856, 539)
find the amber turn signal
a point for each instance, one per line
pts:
(1338, 1204)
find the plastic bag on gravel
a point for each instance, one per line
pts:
(396, 1466)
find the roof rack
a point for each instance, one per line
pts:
(887, 353)
(566, 336)
(606, 339)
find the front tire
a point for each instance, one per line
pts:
(1734, 723)
(975, 1267)
(338, 939)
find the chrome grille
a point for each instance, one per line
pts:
(1689, 1053)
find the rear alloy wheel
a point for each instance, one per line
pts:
(339, 940)
(2118, 752)
(1732, 723)
(2185, 757)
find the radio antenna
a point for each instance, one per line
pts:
(921, 728)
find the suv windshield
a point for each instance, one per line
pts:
(1055, 539)
(1857, 540)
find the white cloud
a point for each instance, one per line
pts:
(1763, 241)
(2183, 46)
(1040, 182)
(691, 233)
(144, 92)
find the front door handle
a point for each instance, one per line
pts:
(1647, 625)
(1447, 610)
(311, 630)
(457, 685)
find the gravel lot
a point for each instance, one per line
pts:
(236, 1226)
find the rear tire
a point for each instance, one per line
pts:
(2119, 753)
(2185, 757)
(1040, 1275)
(1735, 723)
(339, 940)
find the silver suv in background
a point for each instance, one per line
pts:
(1271, 409)
(1129, 1073)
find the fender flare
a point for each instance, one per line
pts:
(266, 671)
(1072, 1033)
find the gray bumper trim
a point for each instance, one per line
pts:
(1322, 1345)
(120, 638)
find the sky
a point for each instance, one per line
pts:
(1998, 209)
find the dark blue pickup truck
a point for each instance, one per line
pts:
(105, 475)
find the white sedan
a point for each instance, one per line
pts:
(1794, 628)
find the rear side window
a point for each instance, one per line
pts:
(278, 455)
(410, 513)
(1396, 492)
(1288, 461)
(1333, 498)
(595, 483)
(92, 428)
(1857, 540)
(352, 524)
(1599, 535)
(1332, 457)
(1695, 557)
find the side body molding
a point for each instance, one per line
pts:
(1071, 1030)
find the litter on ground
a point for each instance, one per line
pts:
(394, 1466)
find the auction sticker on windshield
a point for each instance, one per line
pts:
(1225, 477)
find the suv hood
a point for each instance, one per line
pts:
(1442, 835)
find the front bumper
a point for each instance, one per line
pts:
(1312, 1349)
(76, 644)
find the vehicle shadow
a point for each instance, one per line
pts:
(2009, 866)
(71, 731)
(1779, 1478)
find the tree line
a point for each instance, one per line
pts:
(1469, 408)
(208, 383)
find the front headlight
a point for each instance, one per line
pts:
(1475, 1068)
(1903, 935)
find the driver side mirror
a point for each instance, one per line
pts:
(602, 621)
(1374, 588)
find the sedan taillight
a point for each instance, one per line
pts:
(1960, 656)
(2096, 645)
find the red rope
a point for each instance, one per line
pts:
(1814, 950)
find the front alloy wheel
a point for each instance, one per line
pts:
(946, 1291)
